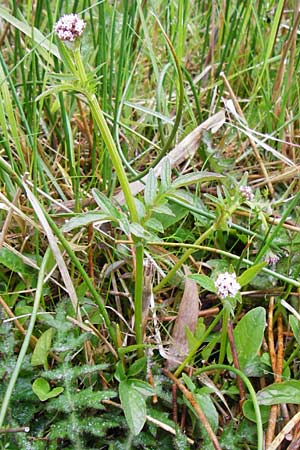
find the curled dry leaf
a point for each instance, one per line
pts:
(186, 319)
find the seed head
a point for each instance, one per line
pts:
(226, 285)
(69, 27)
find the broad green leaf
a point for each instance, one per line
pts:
(208, 408)
(165, 175)
(134, 406)
(41, 388)
(175, 214)
(249, 412)
(106, 204)
(137, 367)
(248, 336)
(120, 371)
(295, 326)
(155, 225)
(142, 387)
(140, 207)
(163, 209)
(14, 262)
(138, 230)
(204, 281)
(206, 404)
(82, 220)
(276, 393)
(250, 273)
(150, 188)
(195, 177)
(42, 348)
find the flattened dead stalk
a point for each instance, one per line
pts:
(253, 144)
(286, 430)
(277, 365)
(187, 317)
(186, 149)
(189, 396)
(273, 412)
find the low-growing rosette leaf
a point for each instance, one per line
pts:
(276, 393)
(165, 175)
(134, 406)
(249, 411)
(248, 336)
(42, 389)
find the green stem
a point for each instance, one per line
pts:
(123, 180)
(114, 155)
(138, 294)
(259, 426)
(224, 335)
(223, 345)
(106, 136)
(22, 353)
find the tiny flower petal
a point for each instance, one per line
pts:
(247, 192)
(69, 27)
(226, 285)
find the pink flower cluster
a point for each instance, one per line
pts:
(247, 192)
(69, 27)
(271, 259)
(226, 285)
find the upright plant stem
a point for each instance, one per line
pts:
(224, 335)
(121, 174)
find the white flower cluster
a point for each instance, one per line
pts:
(69, 27)
(247, 192)
(226, 285)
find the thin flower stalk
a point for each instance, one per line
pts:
(101, 123)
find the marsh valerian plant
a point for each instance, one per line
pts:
(69, 29)
(146, 74)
